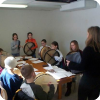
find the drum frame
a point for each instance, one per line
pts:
(41, 52)
(52, 57)
(33, 52)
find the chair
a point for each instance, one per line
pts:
(3, 92)
(20, 95)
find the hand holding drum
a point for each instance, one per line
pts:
(45, 81)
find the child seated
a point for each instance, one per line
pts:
(1, 51)
(11, 82)
(31, 89)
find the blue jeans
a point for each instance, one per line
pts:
(17, 54)
(34, 55)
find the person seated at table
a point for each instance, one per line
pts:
(43, 43)
(74, 48)
(31, 39)
(31, 89)
(55, 46)
(1, 68)
(1, 51)
(20, 95)
(11, 82)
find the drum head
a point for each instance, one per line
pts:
(43, 79)
(43, 51)
(49, 56)
(28, 48)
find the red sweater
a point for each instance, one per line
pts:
(34, 41)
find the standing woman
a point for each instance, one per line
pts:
(89, 86)
(74, 48)
(31, 39)
(15, 45)
(55, 45)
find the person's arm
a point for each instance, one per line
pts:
(40, 94)
(36, 46)
(26, 41)
(59, 58)
(51, 92)
(39, 51)
(85, 60)
(13, 46)
(22, 96)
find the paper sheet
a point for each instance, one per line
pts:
(33, 59)
(35, 69)
(50, 67)
(18, 57)
(60, 73)
(37, 73)
(21, 62)
(28, 57)
(38, 61)
(57, 75)
(59, 70)
(54, 67)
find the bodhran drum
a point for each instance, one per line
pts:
(49, 56)
(44, 79)
(43, 51)
(28, 48)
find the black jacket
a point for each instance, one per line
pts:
(90, 63)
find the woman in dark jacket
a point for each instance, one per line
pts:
(74, 48)
(89, 86)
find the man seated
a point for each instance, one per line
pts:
(31, 89)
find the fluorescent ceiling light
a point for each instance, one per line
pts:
(13, 6)
(1, 1)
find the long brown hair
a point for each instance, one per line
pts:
(93, 39)
(76, 44)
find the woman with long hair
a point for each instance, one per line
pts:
(74, 49)
(89, 86)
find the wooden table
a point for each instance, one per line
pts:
(62, 81)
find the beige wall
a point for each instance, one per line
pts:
(22, 22)
(52, 25)
(68, 26)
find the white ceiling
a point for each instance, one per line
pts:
(37, 5)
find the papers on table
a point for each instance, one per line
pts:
(54, 67)
(49, 67)
(21, 62)
(28, 57)
(37, 73)
(35, 69)
(56, 75)
(33, 59)
(18, 57)
(60, 73)
(38, 61)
